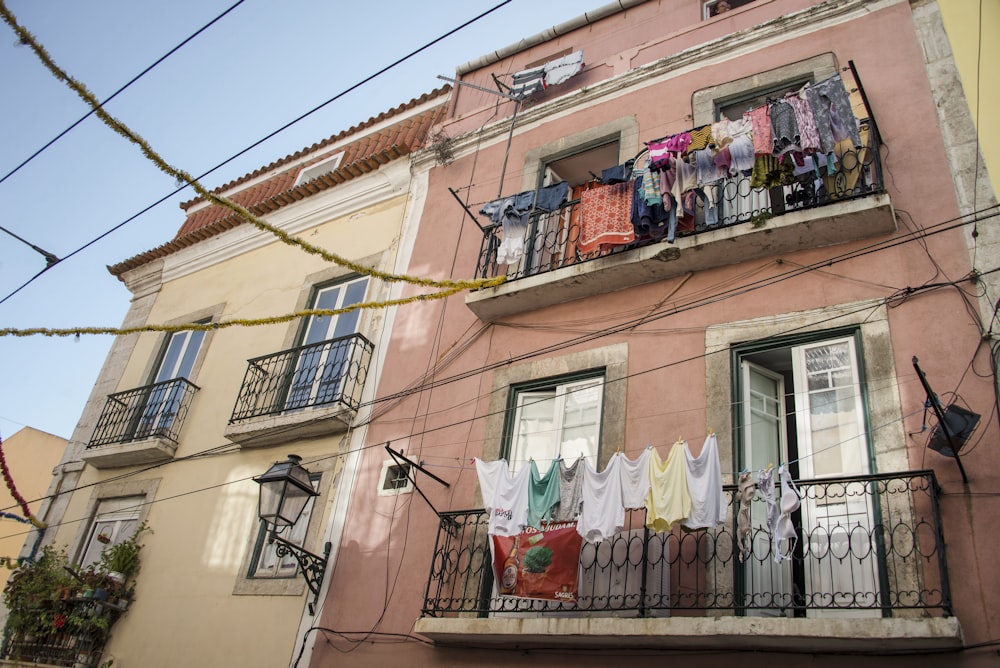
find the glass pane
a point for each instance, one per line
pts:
(534, 431)
(347, 323)
(190, 353)
(171, 357)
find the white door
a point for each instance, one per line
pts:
(841, 559)
(767, 583)
(320, 370)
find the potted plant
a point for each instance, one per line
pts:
(121, 561)
(34, 594)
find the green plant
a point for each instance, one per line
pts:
(537, 559)
(35, 592)
(123, 557)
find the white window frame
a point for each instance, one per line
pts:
(560, 394)
(121, 515)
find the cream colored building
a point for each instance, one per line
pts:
(31, 455)
(180, 421)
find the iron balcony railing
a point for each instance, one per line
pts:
(70, 632)
(153, 411)
(552, 239)
(868, 544)
(319, 374)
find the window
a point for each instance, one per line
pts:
(395, 478)
(802, 402)
(164, 400)
(265, 563)
(326, 355)
(555, 418)
(115, 520)
(716, 7)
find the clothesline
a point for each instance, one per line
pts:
(735, 474)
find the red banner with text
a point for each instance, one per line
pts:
(539, 564)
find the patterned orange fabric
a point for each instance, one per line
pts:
(605, 218)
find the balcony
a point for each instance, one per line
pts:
(868, 572)
(140, 426)
(309, 391)
(70, 632)
(844, 204)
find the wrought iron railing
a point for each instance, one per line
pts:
(68, 633)
(865, 544)
(153, 411)
(319, 374)
(552, 240)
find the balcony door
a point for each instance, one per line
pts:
(821, 428)
(164, 398)
(324, 355)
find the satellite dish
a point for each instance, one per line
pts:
(959, 424)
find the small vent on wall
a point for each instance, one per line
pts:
(319, 169)
(395, 479)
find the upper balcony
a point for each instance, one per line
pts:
(868, 572)
(140, 426)
(309, 391)
(824, 205)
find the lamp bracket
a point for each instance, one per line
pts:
(313, 566)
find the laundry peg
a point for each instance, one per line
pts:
(711, 432)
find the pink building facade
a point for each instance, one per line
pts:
(787, 309)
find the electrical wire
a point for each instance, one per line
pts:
(260, 141)
(120, 90)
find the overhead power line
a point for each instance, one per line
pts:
(122, 88)
(260, 141)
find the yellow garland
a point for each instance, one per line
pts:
(222, 324)
(26, 37)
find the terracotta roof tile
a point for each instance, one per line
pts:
(362, 156)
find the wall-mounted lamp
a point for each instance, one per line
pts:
(285, 489)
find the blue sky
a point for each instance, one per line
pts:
(262, 65)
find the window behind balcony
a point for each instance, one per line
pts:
(320, 367)
(555, 418)
(802, 402)
(164, 399)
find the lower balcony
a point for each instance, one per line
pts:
(724, 223)
(305, 392)
(868, 572)
(140, 426)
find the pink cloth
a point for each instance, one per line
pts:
(808, 134)
(760, 119)
(606, 217)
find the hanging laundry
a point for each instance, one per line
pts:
(785, 528)
(605, 220)
(618, 173)
(701, 138)
(635, 478)
(831, 107)
(784, 128)
(760, 121)
(704, 478)
(808, 134)
(561, 69)
(528, 81)
(744, 495)
(602, 515)
(570, 491)
(651, 220)
(661, 151)
(543, 494)
(508, 505)
(668, 500)
(513, 214)
(770, 172)
(765, 483)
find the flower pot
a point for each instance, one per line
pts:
(101, 594)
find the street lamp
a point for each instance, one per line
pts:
(285, 489)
